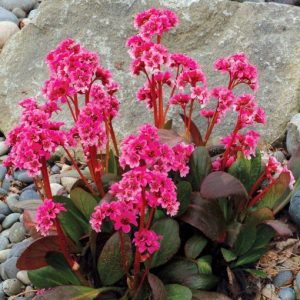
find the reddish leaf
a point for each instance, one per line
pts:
(34, 257)
(169, 137)
(158, 289)
(195, 133)
(203, 295)
(221, 185)
(280, 228)
(206, 216)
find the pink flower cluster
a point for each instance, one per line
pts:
(146, 242)
(146, 149)
(47, 214)
(35, 138)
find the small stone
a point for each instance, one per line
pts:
(68, 182)
(6, 15)
(26, 5)
(17, 233)
(3, 242)
(12, 29)
(29, 195)
(56, 189)
(19, 12)
(10, 220)
(10, 268)
(6, 184)
(12, 287)
(30, 187)
(269, 292)
(283, 278)
(11, 201)
(22, 175)
(29, 293)
(23, 277)
(287, 294)
(65, 168)
(3, 191)
(3, 171)
(294, 209)
(54, 178)
(7, 30)
(2, 217)
(5, 233)
(18, 248)
(4, 209)
(4, 254)
(55, 169)
(293, 134)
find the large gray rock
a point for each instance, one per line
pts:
(268, 33)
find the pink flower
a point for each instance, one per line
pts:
(191, 77)
(181, 99)
(179, 59)
(47, 214)
(239, 70)
(147, 242)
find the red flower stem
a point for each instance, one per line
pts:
(79, 172)
(141, 282)
(114, 139)
(188, 128)
(76, 106)
(107, 147)
(226, 153)
(153, 95)
(71, 110)
(152, 211)
(60, 234)
(161, 107)
(123, 255)
(257, 183)
(211, 126)
(256, 199)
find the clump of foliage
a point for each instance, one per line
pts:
(161, 217)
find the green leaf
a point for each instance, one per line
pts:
(194, 246)
(57, 273)
(72, 221)
(273, 195)
(76, 293)
(169, 245)
(111, 266)
(203, 295)
(178, 292)
(250, 257)
(206, 216)
(157, 287)
(245, 240)
(264, 234)
(112, 165)
(185, 272)
(228, 255)
(200, 167)
(204, 264)
(168, 124)
(247, 170)
(257, 273)
(84, 201)
(259, 215)
(184, 191)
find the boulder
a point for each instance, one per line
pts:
(268, 33)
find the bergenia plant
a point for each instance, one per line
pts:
(165, 215)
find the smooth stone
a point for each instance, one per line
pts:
(10, 268)
(55, 178)
(10, 29)
(68, 182)
(10, 220)
(55, 169)
(3, 171)
(30, 187)
(283, 278)
(294, 209)
(17, 233)
(29, 195)
(23, 277)
(6, 184)
(33, 13)
(293, 134)
(12, 287)
(56, 188)
(287, 294)
(6, 15)
(22, 175)
(4, 209)
(269, 292)
(2, 294)
(4, 254)
(19, 13)
(3, 191)
(18, 248)
(296, 285)
(5, 233)
(26, 5)
(2, 217)
(3, 242)
(11, 201)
